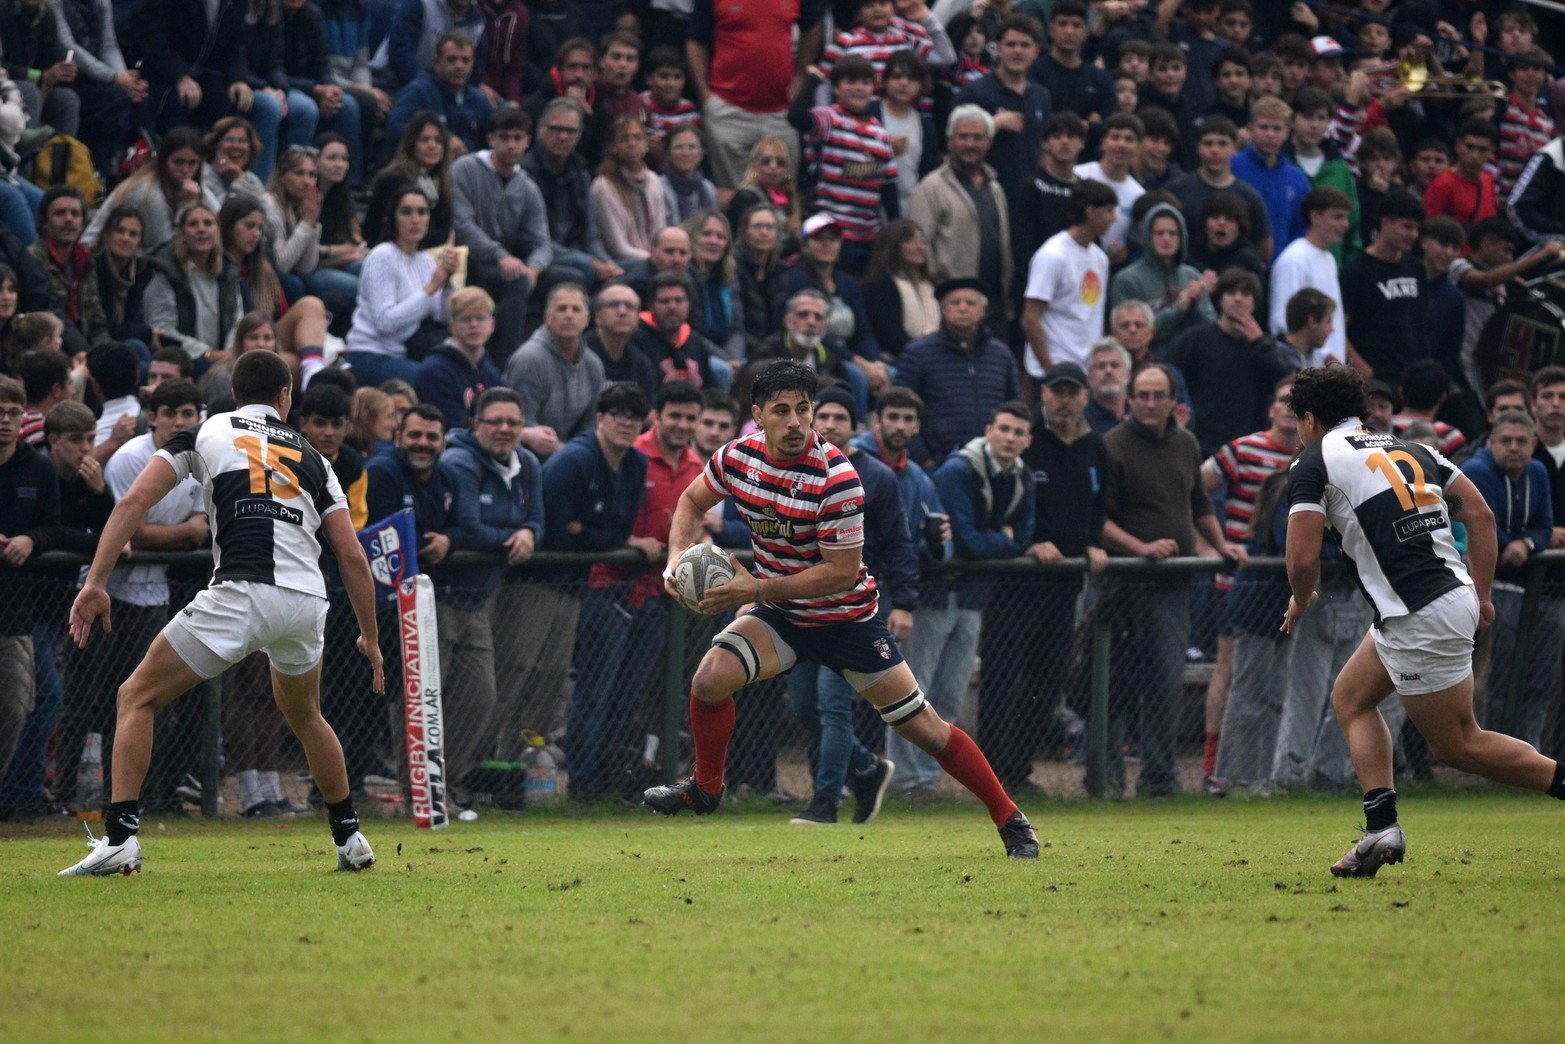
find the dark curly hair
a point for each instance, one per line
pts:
(1332, 393)
(783, 376)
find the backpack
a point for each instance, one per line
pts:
(64, 160)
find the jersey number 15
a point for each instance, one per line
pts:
(268, 464)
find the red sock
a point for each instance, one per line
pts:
(712, 724)
(1209, 754)
(967, 765)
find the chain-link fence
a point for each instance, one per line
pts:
(556, 682)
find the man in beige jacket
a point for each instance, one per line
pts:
(962, 210)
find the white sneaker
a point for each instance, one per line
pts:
(1371, 852)
(356, 854)
(105, 859)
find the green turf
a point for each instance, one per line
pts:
(1192, 919)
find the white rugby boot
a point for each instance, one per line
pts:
(1371, 852)
(105, 859)
(356, 854)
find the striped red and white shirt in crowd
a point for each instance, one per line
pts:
(852, 159)
(794, 509)
(1524, 131)
(1448, 439)
(1243, 465)
(660, 120)
(877, 48)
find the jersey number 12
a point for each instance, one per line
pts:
(1419, 496)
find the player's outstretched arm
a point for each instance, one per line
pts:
(360, 584)
(1468, 507)
(1306, 532)
(154, 483)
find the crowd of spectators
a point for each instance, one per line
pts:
(1053, 261)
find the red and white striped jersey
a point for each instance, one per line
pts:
(1523, 133)
(852, 159)
(1449, 439)
(876, 48)
(794, 509)
(660, 120)
(1244, 464)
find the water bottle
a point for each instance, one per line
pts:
(89, 779)
(543, 773)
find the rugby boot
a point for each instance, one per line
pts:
(1370, 852)
(684, 796)
(105, 859)
(356, 854)
(1020, 841)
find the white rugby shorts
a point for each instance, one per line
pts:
(224, 624)
(1431, 649)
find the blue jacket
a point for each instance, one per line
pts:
(464, 115)
(1282, 187)
(491, 504)
(393, 487)
(959, 389)
(1014, 155)
(409, 46)
(579, 486)
(1521, 509)
(920, 498)
(980, 502)
(447, 381)
(888, 543)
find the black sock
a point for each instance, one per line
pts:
(1380, 808)
(1557, 788)
(344, 821)
(121, 820)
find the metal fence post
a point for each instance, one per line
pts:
(1520, 665)
(211, 744)
(673, 692)
(1098, 714)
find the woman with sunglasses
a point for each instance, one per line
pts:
(769, 180)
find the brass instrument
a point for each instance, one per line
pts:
(1413, 73)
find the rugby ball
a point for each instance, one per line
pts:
(700, 568)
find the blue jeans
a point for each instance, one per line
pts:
(940, 652)
(615, 657)
(823, 700)
(19, 199)
(304, 119)
(267, 115)
(25, 777)
(374, 368)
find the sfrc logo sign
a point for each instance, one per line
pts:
(421, 701)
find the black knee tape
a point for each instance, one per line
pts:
(904, 710)
(741, 647)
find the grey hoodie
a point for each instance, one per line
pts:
(1158, 284)
(496, 218)
(556, 392)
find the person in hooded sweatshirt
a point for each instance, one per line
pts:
(1179, 293)
(455, 373)
(499, 508)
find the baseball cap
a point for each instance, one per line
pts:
(815, 222)
(1325, 47)
(1065, 373)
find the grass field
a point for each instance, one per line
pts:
(1192, 920)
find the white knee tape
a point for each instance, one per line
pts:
(740, 646)
(904, 710)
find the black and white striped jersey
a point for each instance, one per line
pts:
(267, 492)
(1386, 500)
